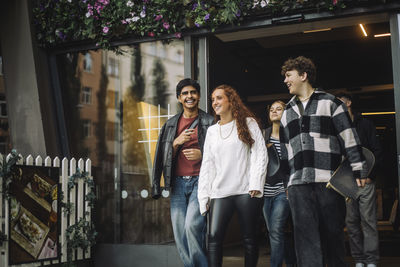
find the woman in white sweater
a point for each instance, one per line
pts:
(232, 174)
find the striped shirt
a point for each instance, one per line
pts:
(276, 189)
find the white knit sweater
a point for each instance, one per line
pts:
(229, 166)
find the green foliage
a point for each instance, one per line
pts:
(70, 81)
(137, 79)
(81, 234)
(102, 116)
(9, 172)
(102, 21)
(3, 238)
(160, 84)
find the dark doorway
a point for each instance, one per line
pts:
(347, 61)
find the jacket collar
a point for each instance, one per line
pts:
(268, 132)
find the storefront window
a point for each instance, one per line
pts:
(131, 96)
(5, 142)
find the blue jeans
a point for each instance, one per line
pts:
(276, 212)
(187, 223)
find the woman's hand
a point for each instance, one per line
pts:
(254, 193)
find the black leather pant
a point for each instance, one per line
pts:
(221, 211)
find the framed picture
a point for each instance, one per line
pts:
(34, 214)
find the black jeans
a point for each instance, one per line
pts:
(221, 211)
(318, 218)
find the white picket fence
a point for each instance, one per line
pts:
(68, 168)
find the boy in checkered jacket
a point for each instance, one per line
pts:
(316, 132)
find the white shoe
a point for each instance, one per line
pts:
(371, 265)
(360, 264)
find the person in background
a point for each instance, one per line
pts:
(361, 214)
(232, 174)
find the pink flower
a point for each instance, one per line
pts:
(104, 2)
(98, 7)
(334, 2)
(158, 17)
(90, 10)
(178, 35)
(151, 34)
(105, 29)
(166, 25)
(124, 21)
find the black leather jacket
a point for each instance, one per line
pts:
(163, 161)
(279, 170)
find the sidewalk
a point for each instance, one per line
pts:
(235, 258)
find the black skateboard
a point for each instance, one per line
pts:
(343, 181)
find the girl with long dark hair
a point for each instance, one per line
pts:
(276, 208)
(232, 174)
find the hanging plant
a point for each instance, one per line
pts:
(3, 238)
(83, 233)
(101, 21)
(9, 172)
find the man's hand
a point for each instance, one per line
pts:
(192, 153)
(183, 137)
(254, 193)
(361, 182)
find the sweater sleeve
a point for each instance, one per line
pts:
(207, 175)
(349, 140)
(258, 159)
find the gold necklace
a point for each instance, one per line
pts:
(220, 133)
(307, 97)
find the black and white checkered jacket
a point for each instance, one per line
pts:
(313, 144)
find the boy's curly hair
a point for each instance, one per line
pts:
(302, 65)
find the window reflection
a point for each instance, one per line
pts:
(86, 95)
(87, 62)
(131, 96)
(1, 65)
(5, 141)
(113, 67)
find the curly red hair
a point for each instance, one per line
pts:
(240, 113)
